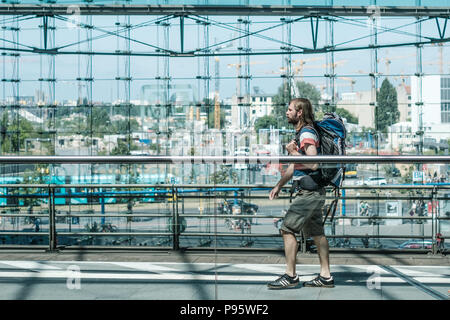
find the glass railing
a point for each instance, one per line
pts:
(129, 208)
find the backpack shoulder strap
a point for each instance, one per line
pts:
(332, 208)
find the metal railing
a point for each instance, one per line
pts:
(178, 193)
(220, 159)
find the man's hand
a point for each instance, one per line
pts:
(291, 147)
(274, 193)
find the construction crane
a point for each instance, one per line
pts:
(238, 67)
(388, 61)
(323, 86)
(298, 70)
(301, 65)
(440, 62)
(216, 93)
(352, 82)
(217, 84)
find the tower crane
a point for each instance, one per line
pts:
(440, 62)
(301, 65)
(388, 61)
(217, 84)
(238, 67)
(352, 82)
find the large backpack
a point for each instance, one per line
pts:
(331, 133)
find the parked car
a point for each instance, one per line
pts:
(375, 181)
(416, 244)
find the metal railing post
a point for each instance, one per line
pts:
(303, 243)
(175, 227)
(51, 218)
(433, 219)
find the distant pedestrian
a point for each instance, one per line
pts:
(440, 243)
(364, 208)
(37, 225)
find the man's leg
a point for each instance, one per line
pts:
(289, 279)
(290, 252)
(321, 243)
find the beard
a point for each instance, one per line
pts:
(293, 121)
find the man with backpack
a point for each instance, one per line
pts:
(305, 212)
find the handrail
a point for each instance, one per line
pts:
(220, 159)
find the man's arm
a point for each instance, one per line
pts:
(284, 179)
(310, 150)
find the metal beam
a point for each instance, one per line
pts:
(223, 54)
(222, 10)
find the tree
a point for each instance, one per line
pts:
(121, 126)
(347, 115)
(122, 148)
(265, 122)
(99, 119)
(15, 132)
(386, 113)
(282, 98)
(224, 175)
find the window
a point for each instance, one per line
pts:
(445, 112)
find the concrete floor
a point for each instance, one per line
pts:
(159, 275)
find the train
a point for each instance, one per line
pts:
(78, 195)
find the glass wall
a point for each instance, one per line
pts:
(214, 85)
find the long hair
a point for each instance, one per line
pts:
(306, 106)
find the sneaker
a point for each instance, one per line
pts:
(320, 281)
(284, 282)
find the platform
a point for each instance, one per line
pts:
(158, 275)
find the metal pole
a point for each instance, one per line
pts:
(433, 220)
(303, 243)
(175, 235)
(52, 220)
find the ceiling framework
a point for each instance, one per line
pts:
(224, 10)
(154, 51)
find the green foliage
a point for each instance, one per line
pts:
(282, 98)
(99, 119)
(347, 115)
(265, 122)
(124, 147)
(121, 126)
(387, 111)
(14, 133)
(223, 176)
(35, 176)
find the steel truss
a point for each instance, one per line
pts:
(223, 10)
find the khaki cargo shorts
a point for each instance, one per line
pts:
(305, 213)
